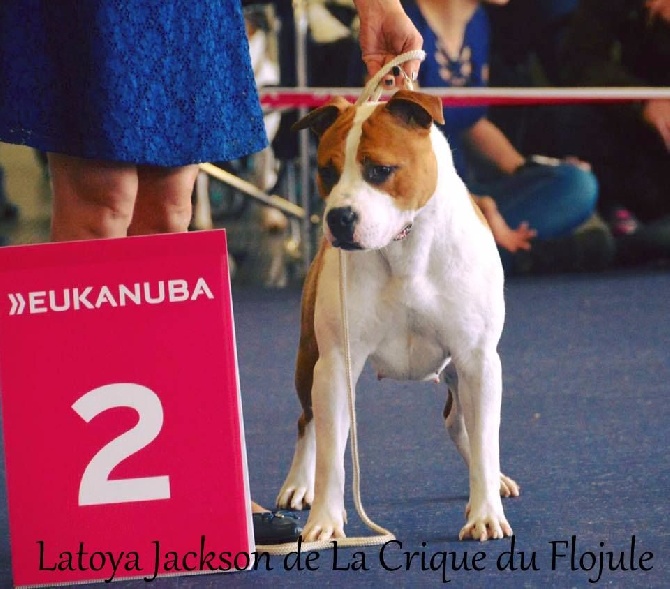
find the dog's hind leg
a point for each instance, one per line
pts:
(297, 492)
(453, 415)
(455, 424)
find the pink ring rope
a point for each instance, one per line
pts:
(314, 97)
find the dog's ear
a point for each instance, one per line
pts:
(416, 108)
(323, 117)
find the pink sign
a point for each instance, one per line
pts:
(123, 429)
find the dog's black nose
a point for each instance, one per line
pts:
(342, 223)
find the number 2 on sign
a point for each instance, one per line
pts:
(95, 487)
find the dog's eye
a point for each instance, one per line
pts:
(377, 174)
(329, 176)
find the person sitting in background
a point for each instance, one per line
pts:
(625, 43)
(553, 198)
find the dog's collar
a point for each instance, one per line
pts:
(404, 233)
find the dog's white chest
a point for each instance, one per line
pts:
(412, 357)
(413, 345)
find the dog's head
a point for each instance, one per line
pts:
(376, 166)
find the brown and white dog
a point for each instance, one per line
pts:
(417, 301)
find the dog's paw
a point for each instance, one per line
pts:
(324, 525)
(488, 522)
(295, 497)
(508, 487)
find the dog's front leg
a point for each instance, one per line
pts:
(480, 383)
(331, 423)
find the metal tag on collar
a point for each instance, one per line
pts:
(404, 233)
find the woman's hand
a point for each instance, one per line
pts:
(386, 32)
(510, 239)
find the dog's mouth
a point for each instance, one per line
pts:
(347, 245)
(352, 245)
(404, 233)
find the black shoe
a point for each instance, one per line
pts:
(588, 250)
(275, 528)
(649, 244)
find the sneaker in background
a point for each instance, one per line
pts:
(622, 222)
(590, 248)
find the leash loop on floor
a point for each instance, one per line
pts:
(372, 91)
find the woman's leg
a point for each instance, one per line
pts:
(554, 200)
(91, 198)
(163, 200)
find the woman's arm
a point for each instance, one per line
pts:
(490, 142)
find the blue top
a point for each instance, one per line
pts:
(165, 82)
(470, 69)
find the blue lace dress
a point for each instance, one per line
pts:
(163, 82)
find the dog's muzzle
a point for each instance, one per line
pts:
(342, 224)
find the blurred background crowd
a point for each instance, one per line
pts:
(581, 186)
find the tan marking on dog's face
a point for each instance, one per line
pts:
(384, 142)
(407, 150)
(377, 162)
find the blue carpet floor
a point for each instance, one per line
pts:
(585, 431)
